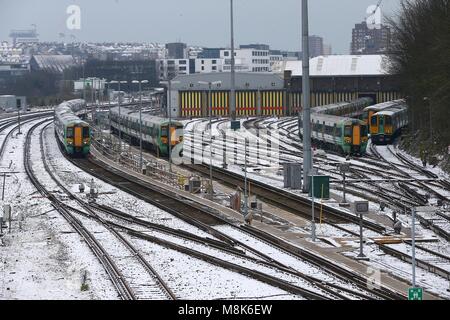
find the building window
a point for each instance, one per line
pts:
(203, 61)
(226, 53)
(214, 68)
(214, 62)
(182, 61)
(182, 68)
(203, 68)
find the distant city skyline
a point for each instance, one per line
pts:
(195, 22)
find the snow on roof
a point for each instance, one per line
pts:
(54, 63)
(341, 65)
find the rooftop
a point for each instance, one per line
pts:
(339, 65)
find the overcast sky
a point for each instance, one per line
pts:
(196, 22)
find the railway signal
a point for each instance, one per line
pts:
(361, 208)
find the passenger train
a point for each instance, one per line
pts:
(386, 125)
(73, 133)
(344, 135)
(371, 110)
(349, 109)
(155, 130)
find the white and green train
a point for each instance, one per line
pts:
(73, 133)
(155, 130)
(343, 135)
(351, 109)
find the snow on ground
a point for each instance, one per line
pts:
(72, 176)
(42, 258)
(425, 279)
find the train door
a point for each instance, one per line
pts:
(381, 125)
(173, 136)
(356, 139)
(373, 125)
(78, 136)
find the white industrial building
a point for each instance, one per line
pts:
(10, 103)
(337, 65)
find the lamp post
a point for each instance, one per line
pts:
(245, 179)
(169, 111)
(140, 119)
(109, 105)
(120, 120)
(313, 218)
(413, 244)
(210, 84)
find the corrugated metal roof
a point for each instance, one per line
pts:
(340, 65)
(54, 63)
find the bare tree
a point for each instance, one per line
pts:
(420, 56)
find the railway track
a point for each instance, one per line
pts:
(118, 279)
(400, 203)
(337, 270)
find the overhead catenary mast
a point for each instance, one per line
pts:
(307, 156)
(233, 72)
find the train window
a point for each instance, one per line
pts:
(69, 133)
(388, 121)
(364, 131)
(348, 131)
(373, 121)
(164, 132)
(339, 132)
(85, 132)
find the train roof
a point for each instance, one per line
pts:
(385, 105)
(333, 119)
(134, 114)
(334, 106)
(391, 111)
(66, 111)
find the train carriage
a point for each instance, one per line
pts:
(344, 135)
(386, 125)
(351, 109)
(155, 130)
(73, 133)
(371, 110)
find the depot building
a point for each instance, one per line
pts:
(334, 79)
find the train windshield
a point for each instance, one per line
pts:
(348, 131)
(374, 121)
(86, 132)
(69, 133)
(381, 121)
(364, 131)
